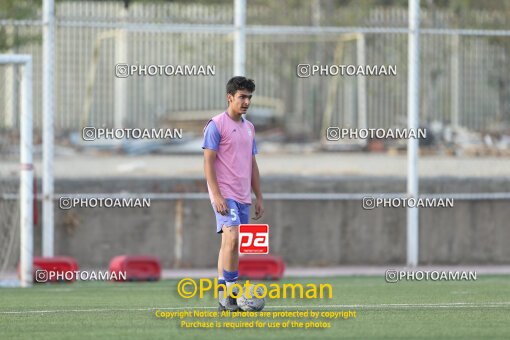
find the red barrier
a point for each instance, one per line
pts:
(261, 267)
(54, 269)
(136, 268)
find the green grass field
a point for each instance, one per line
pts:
(473, 309)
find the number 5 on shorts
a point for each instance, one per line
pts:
(233, 214)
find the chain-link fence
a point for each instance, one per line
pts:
(9, 165)
(464, 80)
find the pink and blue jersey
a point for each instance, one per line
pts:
(234, 142)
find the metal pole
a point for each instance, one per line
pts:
(11, 86)
(120, 84)
(239, 37)
(48, 116)
(362, 83)
(314, 119)
(413, 103)
(179, 212)
(455, 78)
(26, 178)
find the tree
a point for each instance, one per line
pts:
(17, 10)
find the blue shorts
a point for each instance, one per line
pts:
(238, 213)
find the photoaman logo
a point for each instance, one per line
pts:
(188, 288)
(253, 239)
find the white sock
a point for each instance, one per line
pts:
(229, 284)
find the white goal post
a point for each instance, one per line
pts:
(26, 166)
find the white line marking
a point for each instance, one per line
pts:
(368, 306)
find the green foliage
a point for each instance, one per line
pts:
(17, 10)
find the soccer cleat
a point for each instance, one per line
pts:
(228, 303)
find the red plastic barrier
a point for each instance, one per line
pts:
(136, 268)
(54, 269)
(261, 267)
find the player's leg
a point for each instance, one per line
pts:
(230, 264)
(230, 250)
(230, 254)
(227, 263)
(221, 279)
(220, 256)
(240, 214)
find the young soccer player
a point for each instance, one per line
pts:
(232, 173)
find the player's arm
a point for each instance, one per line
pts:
(210, 175)
(255, 185)
(211, 146)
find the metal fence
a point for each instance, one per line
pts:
(463, 77)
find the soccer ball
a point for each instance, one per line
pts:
(252, 304)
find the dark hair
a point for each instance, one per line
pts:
(240, 83)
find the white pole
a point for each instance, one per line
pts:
(413, 104)
(48, 116)
(455, 78)
(239, 37)
(27, 178)
(362, 83)
(178, 233)
(11, 88)
(120, 84)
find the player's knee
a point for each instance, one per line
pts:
(233, 243)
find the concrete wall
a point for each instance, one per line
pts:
(305, 233)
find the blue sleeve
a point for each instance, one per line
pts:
(254, 150)
(211, 137)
